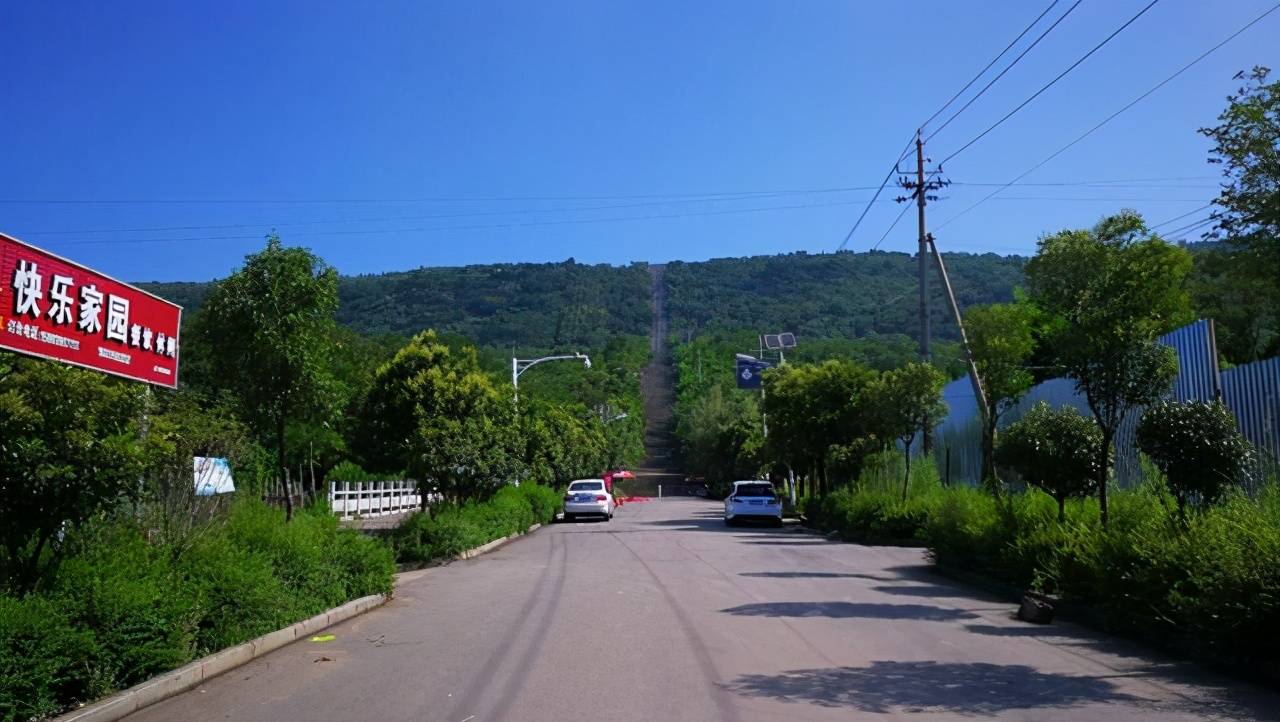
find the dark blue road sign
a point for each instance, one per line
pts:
(749, 371)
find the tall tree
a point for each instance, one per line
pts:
(903, 401)
(68, 449)
(1002, 338)
(1112, 291)
(1247, 146)
(265, 331)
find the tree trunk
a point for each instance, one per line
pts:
(989, 453)
(1062, 509)
(906, 477)
(280, 468)
(1104, 455)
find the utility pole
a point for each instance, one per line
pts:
(922, 256)
(920, 192)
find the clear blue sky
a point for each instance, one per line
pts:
(287, 112)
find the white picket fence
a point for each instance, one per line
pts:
(349, 499)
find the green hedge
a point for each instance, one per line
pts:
(120, 610)
(452, 530)
(1210, 588)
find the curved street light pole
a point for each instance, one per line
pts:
(519, 366)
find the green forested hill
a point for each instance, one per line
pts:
(568, 304)
(530, 305)
(839, 295)
(547, 305)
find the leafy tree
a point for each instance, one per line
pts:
(1055, 451)
(723, 438)
(1197, 446)
(903, 401)
(1002, 339)
(812, 408)
(266, 332)
(433, 412)
(1110, 292)
(1227, 287)
(68, 449)
(562, 443)
(1247, 146)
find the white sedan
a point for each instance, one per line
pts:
(588, 497)
(753, 500)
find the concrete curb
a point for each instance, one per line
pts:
(179, 680)
(486, 548)
(184, 678)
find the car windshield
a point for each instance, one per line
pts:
(586, 486)
(754, 490)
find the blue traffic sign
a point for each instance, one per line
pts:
(749, 371)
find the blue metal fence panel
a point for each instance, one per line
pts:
(1197, 379)
(1252, 392)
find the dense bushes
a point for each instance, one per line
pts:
(120, 609)
(1209, 586)
(451, 530)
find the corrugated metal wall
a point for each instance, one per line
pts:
(1252, 393)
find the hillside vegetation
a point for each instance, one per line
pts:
(567, 304)
(838, 295)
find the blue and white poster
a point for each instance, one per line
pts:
(213, 476)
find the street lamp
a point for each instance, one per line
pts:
(519, 366)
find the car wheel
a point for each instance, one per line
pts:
(568, 518)
(777, 523)
(728, 521)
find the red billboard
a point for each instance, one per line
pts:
(56, 309)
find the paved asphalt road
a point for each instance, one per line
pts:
(665, 614)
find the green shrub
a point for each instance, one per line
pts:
(45, 660)
(121, 609)
(451, 530)
(144, 617)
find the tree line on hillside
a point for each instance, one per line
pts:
(532, 305)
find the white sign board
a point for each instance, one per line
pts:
(213, 476)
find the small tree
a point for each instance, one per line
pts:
(1111, 291)
(1055, 451)
(68, 449)
(1002, 339)
(433, 412)
(265, 333)
(1198, 447)
(902, 401)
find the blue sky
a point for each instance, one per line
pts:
(389, 136)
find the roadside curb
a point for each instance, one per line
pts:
(191, 675)
(186, 677)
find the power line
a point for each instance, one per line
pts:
(470, 214)
(577, 221)
(1051, 83)
(1202, 223)
(993, 62)
(1086, 184)
(1178, 218)
(905, 207)
(893, 169)
(435, 199)
(1116, 114)
(1009, 66)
